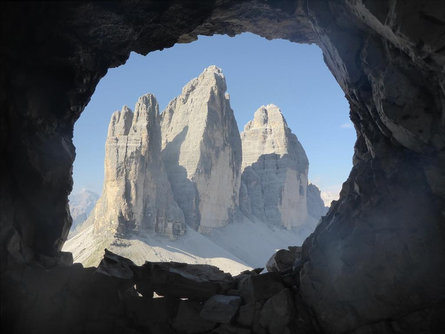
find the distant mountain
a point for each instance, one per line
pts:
(81, 204)
(185, 185)
(275, 172)
(329, 196)
(315, 204)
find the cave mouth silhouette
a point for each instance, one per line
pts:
(104, 100)
(356, 271)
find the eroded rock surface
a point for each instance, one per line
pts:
(202, 299)
(201, 149)
(284, 259)
(275, 171)
(137, 195)
(315, 204)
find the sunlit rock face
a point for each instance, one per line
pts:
(275, 171)
(201, 149)
(137, 195)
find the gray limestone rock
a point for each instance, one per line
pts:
(137, 195)
(116, 266)
(283, 260)
(275, 171)
(188, 319)
(245, 314)
(315, 205)
(259, 287)
(220, 308)
(201, 149)
(277, 312)
(195, 282)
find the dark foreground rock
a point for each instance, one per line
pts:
(284, 259)
(194, 299)
(220, 308)
(180, 280)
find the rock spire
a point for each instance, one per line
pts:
(275, 171)
(136, 194)
(201, 149)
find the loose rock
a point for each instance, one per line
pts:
(188, 319)
(220, 308)
(193, 281)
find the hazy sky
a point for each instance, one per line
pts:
(258, 72)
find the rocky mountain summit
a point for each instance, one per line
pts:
(201, 149)
(189, 166)
(275, 171)
(137, 195)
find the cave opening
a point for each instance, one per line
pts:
(258, 74)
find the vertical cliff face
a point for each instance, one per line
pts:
(201, 149)
(136, 195)
(275, 171)
(315, 204)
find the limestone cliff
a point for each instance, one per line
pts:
(81, 205)
(315, 204)
(136, 195)
(275, 171)
(201, 149)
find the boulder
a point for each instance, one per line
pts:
(277, 312)
(259, 287)
(116, 266)
(220, 308)
(283, 260)
(315, 204)
(245, 314)
(193, 281)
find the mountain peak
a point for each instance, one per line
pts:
(268, 116)
(213, 69)
(202, 151)
(268, 133)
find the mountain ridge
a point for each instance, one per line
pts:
(189, 169)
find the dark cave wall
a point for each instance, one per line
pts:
(379, 253)
(378, 256)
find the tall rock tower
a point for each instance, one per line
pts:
(274, 171)
(201, 149)
(136, 195)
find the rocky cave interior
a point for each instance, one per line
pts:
(375, 263)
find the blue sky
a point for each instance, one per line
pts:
(258, 72)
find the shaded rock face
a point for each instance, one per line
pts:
(375, 263)
(315, 205)
(201, 149)
(137, 195)
(275, 171)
